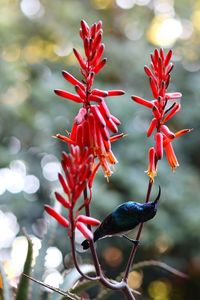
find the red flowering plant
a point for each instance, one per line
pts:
(164, 106)
(89, 141)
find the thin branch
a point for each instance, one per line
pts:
(76, 261)
(160, 264)
(59, 291)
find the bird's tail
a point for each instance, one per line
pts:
(158, 197)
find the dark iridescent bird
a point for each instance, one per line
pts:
(124, 218)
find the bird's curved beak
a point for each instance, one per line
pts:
(156, 201)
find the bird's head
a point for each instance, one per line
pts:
(150, 208)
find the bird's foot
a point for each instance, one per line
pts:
(135, 242)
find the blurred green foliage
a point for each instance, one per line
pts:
(37, 38)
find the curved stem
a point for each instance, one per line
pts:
(92, 248)
(76, 262)
(122, 286)
(135, 246)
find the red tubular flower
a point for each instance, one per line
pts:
(171, 157)
(94, 123)
(162, 108)
(79, 171)
(61, 220)
(151, 172)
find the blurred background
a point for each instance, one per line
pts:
(37, 38)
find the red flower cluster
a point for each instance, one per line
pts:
(94, 122)
(79, 172)
(164, 107)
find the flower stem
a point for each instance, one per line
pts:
(135, 246)
(120, 286)
(76, 262)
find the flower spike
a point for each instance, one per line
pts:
(159, 78)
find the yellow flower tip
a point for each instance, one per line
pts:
(67, 131)
(151, 175)
(174, 167)
(111, 158)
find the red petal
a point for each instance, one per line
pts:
(68, 96)
(88, 220)
(167, 132)
(168, 57)
(80, 92)
(98, 67)
(64, 222)
(117, 137)
(172, 112)
(182, 132)
(80, 59)
(171, 157)
(64, 138)
(93, 30)
(115, 120)
(115, 93)
(92, 176)
(100, 93)
(86, 134)
(72, 79)
(97, 41)
(99, 25)
(84, 27)
(153, 87)
(111, 125)
(62, 200)
(173, 96)
(151, 172)
(159, 145)
(156, 113)
(86, 44)
(97, 55)
(169, 68)
(84, 230)
(95, 98)
(64, 184)
(98, 115)
(79, 135)
(152, 126)
(143, 101)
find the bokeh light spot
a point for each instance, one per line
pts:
(159, 290)
(8, 222)
(11, 53)
(31, 184)
(125, 4)
(32, 8)
(102, 4)
(54, 279)
(135, 279)
(50, 167)
(196, 19)
(53, 258)
(164, 31)
(113, 256)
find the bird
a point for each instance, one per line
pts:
(124, 218)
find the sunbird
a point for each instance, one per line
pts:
(124, 218)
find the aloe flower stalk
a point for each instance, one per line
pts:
(164, 106)
(94, 123)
